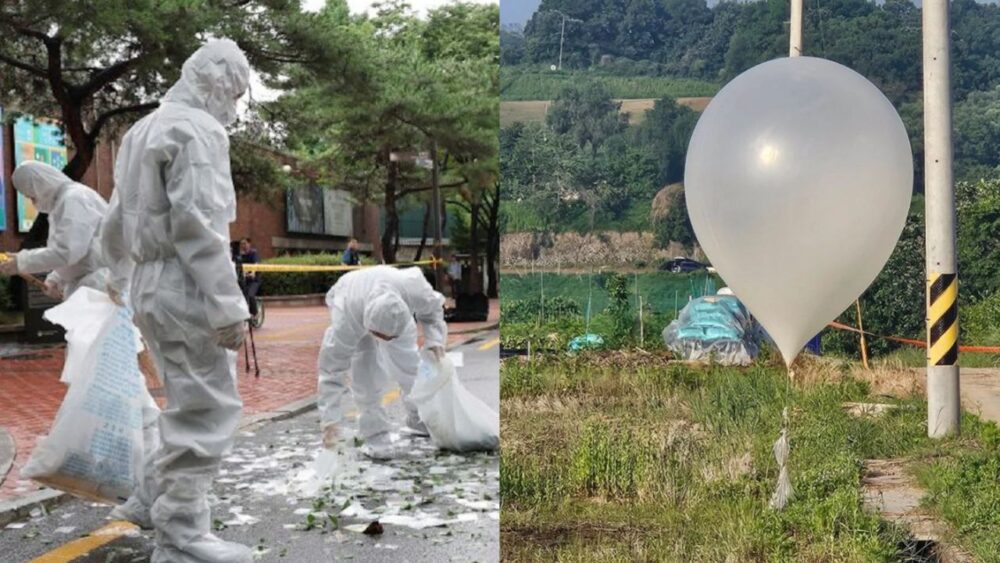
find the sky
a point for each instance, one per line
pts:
(517, 12)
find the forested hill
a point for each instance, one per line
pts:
(686, 38)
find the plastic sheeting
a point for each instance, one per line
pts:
(456, 419)
(589, 341)
(717, 328)
(95, 447)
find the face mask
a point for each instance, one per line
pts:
(224, 110)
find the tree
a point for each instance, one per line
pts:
(675, 225)
(978, 211)
(587, 114)
(537, 173)
(666, 132)
(512, 47)
(101, 63)
(429, 84)
(977, 135)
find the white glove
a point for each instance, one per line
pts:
(438, 352)
(116, 297)
(9, 266)
(231, 337)
(52, 290)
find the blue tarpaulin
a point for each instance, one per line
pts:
(716, 327)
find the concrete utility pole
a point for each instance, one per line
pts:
(795, 30)
(562, 35)
(943, 402)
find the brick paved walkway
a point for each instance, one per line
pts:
(287, 346)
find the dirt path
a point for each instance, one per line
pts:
(888, 487)
(980, 389)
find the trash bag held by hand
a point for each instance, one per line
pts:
(95, 447)
(455, 418)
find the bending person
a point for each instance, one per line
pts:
(371, 340)
(168, 232)
(72, 254)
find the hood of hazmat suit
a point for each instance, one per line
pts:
(387, 313)
(72, 253)
(385, 300)
(168, 232)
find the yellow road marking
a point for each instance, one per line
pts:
(490, 344)
(85, 545)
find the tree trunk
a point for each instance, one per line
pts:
(493, 245)
(476, 285)
(423, 234)
(391, 216)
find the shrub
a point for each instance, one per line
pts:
(7, 301)
(553, 336)
(619, 308)
(531, 310)
(979, 322)
(303, 283)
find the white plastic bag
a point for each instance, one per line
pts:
(95, 447)
(455, 418)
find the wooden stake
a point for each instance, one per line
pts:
(861, 328)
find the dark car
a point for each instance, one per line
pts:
(681, 265)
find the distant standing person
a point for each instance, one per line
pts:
(455, 276)
(351, 256)
(251, 280)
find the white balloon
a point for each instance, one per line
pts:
(798, 183)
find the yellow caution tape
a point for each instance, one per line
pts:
(264, 268)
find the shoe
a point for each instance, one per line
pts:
(207, 547)
(416, 426)
(384, 446)
(133, 511)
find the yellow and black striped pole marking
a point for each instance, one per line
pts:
(942, 319)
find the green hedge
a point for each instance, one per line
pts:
(303, 283)
(7, 301)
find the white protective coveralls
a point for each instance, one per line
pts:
(72, 254)
(385, 300)
(168, 231)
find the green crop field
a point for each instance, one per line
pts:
(660, 291)
(534, 84)
(527, 111)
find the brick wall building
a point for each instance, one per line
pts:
(263, 221)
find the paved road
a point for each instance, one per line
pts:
(980, 388)
(436, 506)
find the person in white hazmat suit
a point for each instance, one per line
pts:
(72, 254)
(168, 232)
(371, 341)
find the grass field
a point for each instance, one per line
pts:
(618, 457)
(660, 291)
(534, 110)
